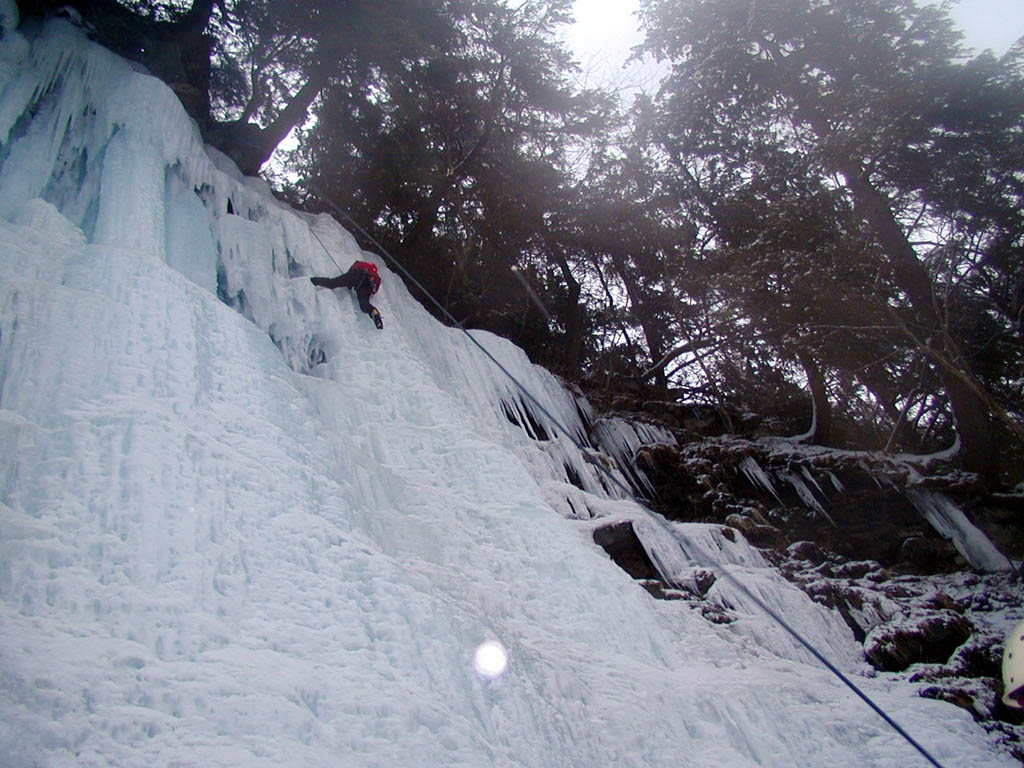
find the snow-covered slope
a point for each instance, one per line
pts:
(241, 527)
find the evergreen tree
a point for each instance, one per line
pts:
(632, 231)
(834, 99)
(457, 160)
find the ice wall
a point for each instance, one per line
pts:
(241, 527)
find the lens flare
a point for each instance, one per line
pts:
(490, 660)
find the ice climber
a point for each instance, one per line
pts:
(362, 276)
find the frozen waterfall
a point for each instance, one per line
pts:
(241, 527)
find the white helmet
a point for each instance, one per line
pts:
(1013, 668)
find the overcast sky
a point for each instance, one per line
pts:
(605, 30)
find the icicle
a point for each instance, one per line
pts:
(807, 474)
(806, 496)
(758, 476)
(836, 482)
(949, 520)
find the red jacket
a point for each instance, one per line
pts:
(371, 273)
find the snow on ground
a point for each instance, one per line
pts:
(241, 527)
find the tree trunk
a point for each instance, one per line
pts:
(977, 446)
(821, 427)
(196, 19)
(572, 317)
(977, 438)
(251, 146)
(901, 433)
(652, 333)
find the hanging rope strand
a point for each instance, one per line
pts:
(667, 576)
(314, 234)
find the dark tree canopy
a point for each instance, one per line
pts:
(820, 212)
(457, 162)
(248, 71)
(810, 132)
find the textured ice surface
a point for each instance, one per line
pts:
(241, 527)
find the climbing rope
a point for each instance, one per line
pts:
(314, 234)
(708, 561)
